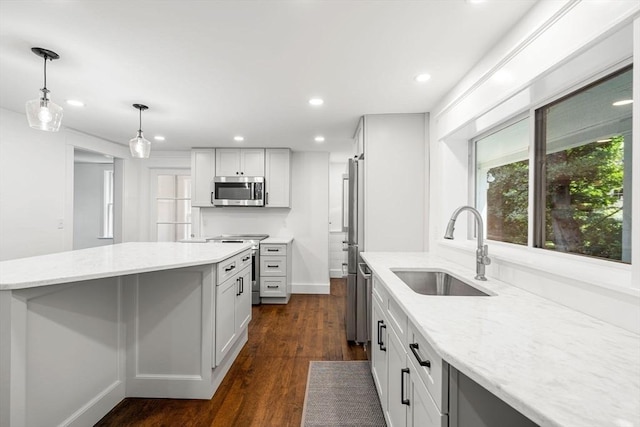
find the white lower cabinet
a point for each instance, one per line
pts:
(275, 273)
(402, 365)
(233, 307)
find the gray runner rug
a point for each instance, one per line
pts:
(341, 394)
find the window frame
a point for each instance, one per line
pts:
(539, 158)
(537, 169)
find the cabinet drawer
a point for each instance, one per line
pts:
(227, 268)
(273, 249)
(435, 376)
(244, 259)
(273, 287)
(397, 319)
(379, 292)
(273, 266)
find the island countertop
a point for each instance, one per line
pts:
(557, 366)
(109, 261)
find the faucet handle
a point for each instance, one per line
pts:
(484, 258)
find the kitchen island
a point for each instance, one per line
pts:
(554, 365)
(81, 330)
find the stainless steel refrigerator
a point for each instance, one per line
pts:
(357, 310)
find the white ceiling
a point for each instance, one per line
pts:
(210, 70)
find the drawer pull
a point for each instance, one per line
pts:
(273, 286)
(272, 266)
(380, 343)
(273, 250)
(402, 399)
(246, 258)
(414, 347)
(230, 268)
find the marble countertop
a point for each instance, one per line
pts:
(555, 365)
(108, 261)
(278, 240)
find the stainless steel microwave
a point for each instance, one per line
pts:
(238, 191)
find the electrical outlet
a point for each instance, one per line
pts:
(60, 224)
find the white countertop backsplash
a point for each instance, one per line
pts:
(108, 261)
(555, 365)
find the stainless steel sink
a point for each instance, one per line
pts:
(436, 283)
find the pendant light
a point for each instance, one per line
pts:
(42, 113)
(140, 147)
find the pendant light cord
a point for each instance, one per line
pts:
(45, 73)
(140, 125)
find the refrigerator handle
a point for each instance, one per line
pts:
(362, 266)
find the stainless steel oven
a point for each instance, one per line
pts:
(254, 239)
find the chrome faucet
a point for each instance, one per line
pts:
(482, 253)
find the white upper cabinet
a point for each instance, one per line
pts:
(203, 170)
(278, 177)
(240, 161)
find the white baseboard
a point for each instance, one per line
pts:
(310, 288)
(336, 273)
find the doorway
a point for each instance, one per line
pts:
(93, 199)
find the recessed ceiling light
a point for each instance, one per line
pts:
(316, 101)
(475, 1)
(238, 138)
(622, 102)
(75, 103)
(159, 138)
(422, 78)
(319, 138)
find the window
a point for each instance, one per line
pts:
(502, 182)
(583, 147)
(582, 155)
(173, 207)
(107, 204)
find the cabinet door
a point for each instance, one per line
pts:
(397, 378)
(243, 300)
(422, 411)
(277, 177)
(252, 162)
(379, 344)
(228, 161)
(203, 170)
(225, 317)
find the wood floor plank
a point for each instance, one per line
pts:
(266, 385)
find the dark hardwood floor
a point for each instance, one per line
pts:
(266, 384)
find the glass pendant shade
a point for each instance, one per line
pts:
(43, 114)
(140, 147)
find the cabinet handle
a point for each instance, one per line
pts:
(230, 268)
(402, 399)
(266, 202)
(380, 326)
(246, 258)
(273, 286)
(212, 197)
(238, 283)
(414, 347)
(272, 266)
(273, 250)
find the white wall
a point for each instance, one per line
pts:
(32, 188)
(307, 221)
(88, 199)
(36, 187)
(556, 49)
